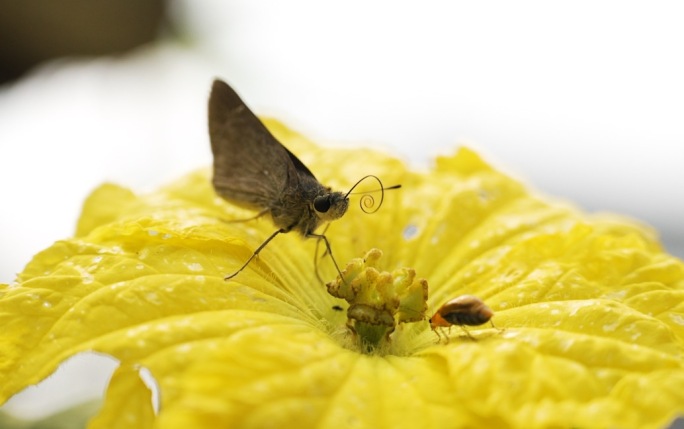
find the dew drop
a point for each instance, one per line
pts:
(153, 297)
(163, 327)
(410, 231)
(566, 344)
(577, 306)
(618, 296)
(610, 327)
(184, 348)
(195, 266)
(677, 318)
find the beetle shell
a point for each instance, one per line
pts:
(462, 310)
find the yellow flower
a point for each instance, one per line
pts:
(592, 310)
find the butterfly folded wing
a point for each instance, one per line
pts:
(251, 168)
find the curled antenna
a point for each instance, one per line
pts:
(367, 202)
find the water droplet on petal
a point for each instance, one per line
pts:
(677, 318)
(410, 231)
(195, 266)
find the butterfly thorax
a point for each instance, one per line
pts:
(308, 206)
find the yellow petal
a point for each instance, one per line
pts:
(104, 205)
(592, 310)
(128, 404)
(314, 384)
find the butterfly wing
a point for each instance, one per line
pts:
(251, 168)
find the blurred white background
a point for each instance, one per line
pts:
(582, 100)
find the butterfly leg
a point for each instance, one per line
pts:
(318, 275)
(254, 255)
(318, 242)
(328, 251)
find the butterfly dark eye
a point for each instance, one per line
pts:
(322, 204)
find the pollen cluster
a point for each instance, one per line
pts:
(379, 300)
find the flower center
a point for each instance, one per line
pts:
(378, 301)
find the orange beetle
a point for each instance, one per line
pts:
(462, 310)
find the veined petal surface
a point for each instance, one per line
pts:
(590, 309)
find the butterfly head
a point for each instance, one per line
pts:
(331, 206)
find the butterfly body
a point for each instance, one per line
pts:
(255, 171)
(252, 169)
